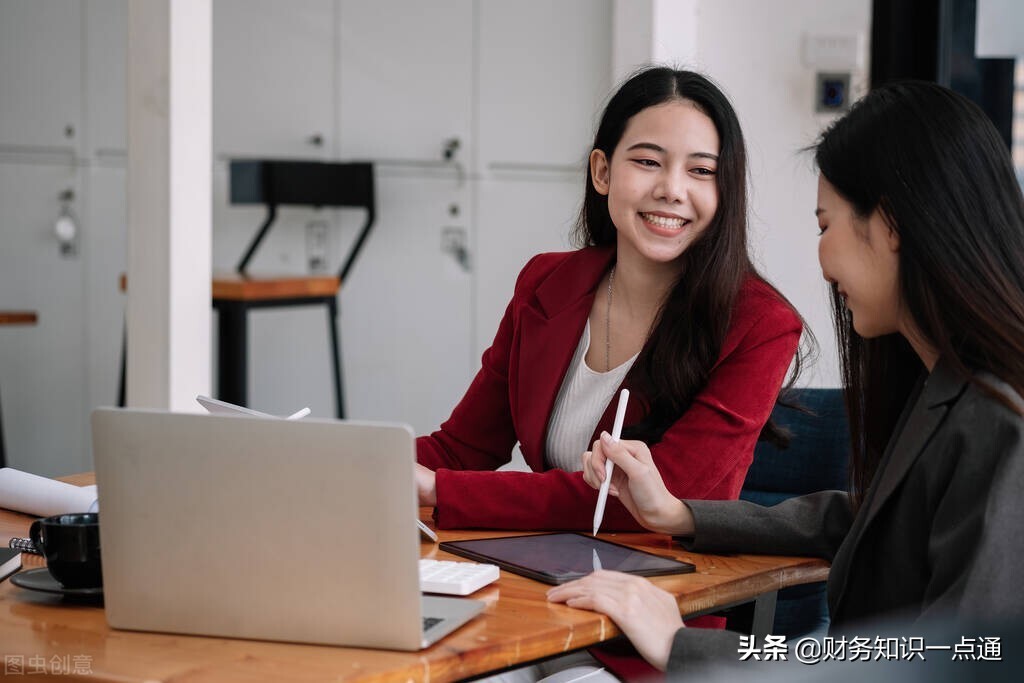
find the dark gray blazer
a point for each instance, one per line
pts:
(939, 532)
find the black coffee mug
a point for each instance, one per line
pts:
(71, 545)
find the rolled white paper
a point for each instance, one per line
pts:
(37, 495)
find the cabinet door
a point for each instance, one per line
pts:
(105, 249)
(406, 78)
(518, 217)
(106, 43)
(406, 311)
(405, 316)
(273, 96)
(42, 367)
(40, 76)
(273, 78)
(543, 72)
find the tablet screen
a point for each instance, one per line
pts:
(562, 557)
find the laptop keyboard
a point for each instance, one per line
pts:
(455, 578)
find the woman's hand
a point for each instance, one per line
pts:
(425, 486)
(638, 484)
(647, 615)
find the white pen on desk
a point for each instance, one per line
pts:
(602, 494)
(299, 414)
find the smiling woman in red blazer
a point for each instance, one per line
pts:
(661, 299)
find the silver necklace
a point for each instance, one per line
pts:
(608, 324)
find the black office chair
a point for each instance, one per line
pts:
(279, 183)
(816, 460)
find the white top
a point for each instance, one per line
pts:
(581, 402)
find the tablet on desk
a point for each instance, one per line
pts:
(562, 557)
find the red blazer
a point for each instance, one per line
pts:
(705, 454)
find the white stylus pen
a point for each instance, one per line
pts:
(602, 494)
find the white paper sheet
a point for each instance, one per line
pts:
(37, 495)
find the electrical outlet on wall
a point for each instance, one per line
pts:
(832, 92)
(316, 246)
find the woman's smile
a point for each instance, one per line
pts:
(664, 224)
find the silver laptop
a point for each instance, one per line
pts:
(300, 531)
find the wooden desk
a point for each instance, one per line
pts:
(518, 626)
(18, 318)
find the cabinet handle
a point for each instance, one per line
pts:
(316, 139)
(450, 148)
(454, 241)
(65, 228)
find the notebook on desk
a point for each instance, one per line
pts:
(300, 531)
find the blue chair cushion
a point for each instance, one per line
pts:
(817, 456)
(816, 459)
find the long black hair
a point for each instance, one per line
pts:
(937, 169)
(687, 335)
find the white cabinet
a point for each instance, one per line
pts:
(405, 316)
(274, 86)
(105, 257)
(40, 74)
(61, 90)
(42, 367)
(406, 311)
(273, 78)
(517, 85)
(518, 218)
(106, 26)
(544, 69)
(406, 75)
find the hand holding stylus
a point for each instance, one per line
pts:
(638, 485)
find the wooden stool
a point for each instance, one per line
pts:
(279, 183)
(235, 295)
(13, 318)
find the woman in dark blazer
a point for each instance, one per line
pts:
(922, 241)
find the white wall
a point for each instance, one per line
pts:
(753, 50)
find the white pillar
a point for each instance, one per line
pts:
(169, 202)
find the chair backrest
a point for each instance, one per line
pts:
(816, 460)
(818, 454)
(303, 183)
